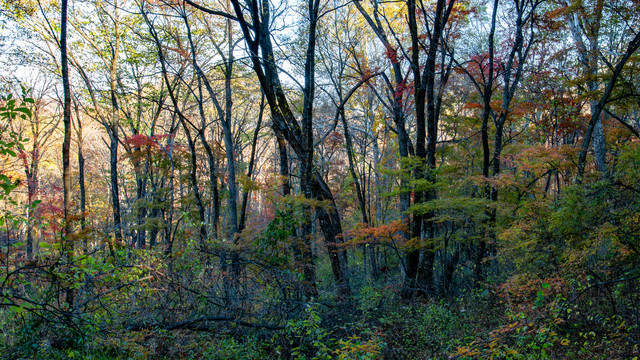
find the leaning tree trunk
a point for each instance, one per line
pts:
(257, 38)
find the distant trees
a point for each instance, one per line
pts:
(39, 129)
(434, 146)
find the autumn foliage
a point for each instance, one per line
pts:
(446, 179)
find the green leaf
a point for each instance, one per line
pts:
(44, 245)
(24, 110)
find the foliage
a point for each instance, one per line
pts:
(309, 340)
(219, 211)
(10, 144)
(429, 330)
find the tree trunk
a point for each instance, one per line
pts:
(115, 190)
(81, 179)
(489, 190)
(141, 195)
(67, 240)
(252, 156)
(113, 132)
(420, 262)
(258, 38)
(32, 191)
(352, 171)
(632, 47)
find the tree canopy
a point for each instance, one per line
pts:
(249, 179)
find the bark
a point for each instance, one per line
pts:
(184, 122)
(286, 125)
(81, 179)
(489, 191)
(140, 167)
(230, 152)
(193, 176)
(114, 190)
(633, 46)
(404, 148)
(225, 117)
(352, 171)
(284, 165)
(420, 262)
(512, 74)
(379, 219)
(31, 173)
(155, 211)
(340, 114)
(252, 156)
(112, 129)
(201, 134)
(399, 118)
(588, 58)
(114, 186)
(487, 93)
(449, 270)
(306, 155)
(67, 240)
(141, 195)
(30, 199)
(412, 285)
(599, 148)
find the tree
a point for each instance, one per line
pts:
(589, 25)
(67, 239)
(39, 129)
(428, 86)
(256, 30)
(508, 66)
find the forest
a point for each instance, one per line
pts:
(319, 179)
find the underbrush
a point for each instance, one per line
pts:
(555, 318)
(523, 318)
